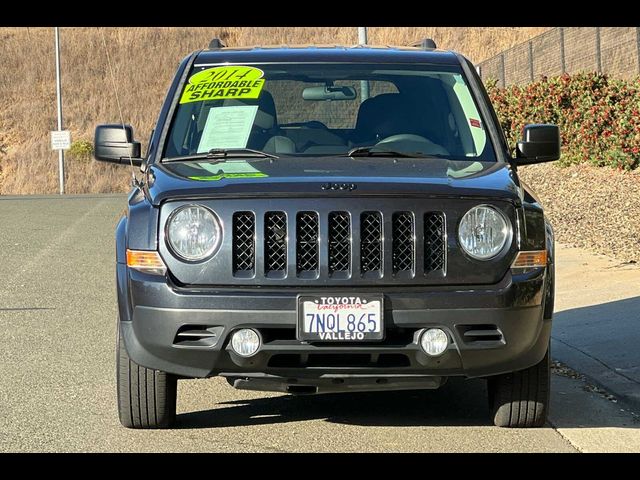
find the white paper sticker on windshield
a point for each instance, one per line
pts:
(227, 127)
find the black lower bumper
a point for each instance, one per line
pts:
(494, 329)
(333, 383)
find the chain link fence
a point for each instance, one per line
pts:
(611, 50)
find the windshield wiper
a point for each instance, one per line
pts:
(372, 151)
(221, 154)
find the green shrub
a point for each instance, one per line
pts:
(81, 150)
(599, 117)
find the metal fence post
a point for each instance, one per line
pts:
(530, 61)
(598, 51)
(562, 60)
(502, 71)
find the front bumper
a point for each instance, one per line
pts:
(153, 312)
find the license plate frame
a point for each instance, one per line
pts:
(338, 307)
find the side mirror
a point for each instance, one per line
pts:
(541, 143)
(115, 144)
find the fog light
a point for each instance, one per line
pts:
(434, 341)
(245, 342)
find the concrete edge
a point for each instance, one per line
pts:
(599, 373)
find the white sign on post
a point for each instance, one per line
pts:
(60, 139)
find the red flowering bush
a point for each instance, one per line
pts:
(598, 116)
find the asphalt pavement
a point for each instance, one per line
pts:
(597, 321)
(57, 363)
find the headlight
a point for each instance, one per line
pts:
(483, 232)
(193, 232)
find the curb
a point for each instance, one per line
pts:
(595, 370)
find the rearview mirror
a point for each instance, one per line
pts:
(329, 92)
(540, 143)
(115, 144)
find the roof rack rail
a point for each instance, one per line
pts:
(425, 44)
(216, 44)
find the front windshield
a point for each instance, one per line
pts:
(317, 110)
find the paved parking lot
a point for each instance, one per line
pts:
(57, 378)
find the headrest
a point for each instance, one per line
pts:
(385, 115)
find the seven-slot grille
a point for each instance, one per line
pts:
(339, 244)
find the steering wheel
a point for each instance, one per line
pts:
(415, 143)
(403, 137)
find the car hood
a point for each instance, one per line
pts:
(335, 176)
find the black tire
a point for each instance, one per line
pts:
(146, 397)
(521, 399)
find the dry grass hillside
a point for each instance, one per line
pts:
(144, 60)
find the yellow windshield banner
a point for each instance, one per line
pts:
(218, 83)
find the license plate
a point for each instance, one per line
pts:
(338, 318)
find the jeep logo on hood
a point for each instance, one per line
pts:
(339, 186)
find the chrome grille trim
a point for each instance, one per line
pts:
(403, 242)
(275, 243)
(244, 246)
(307, 244)
(371, 242)
(339, 242)
(434, 242)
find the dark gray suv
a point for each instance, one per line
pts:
(335, 219)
